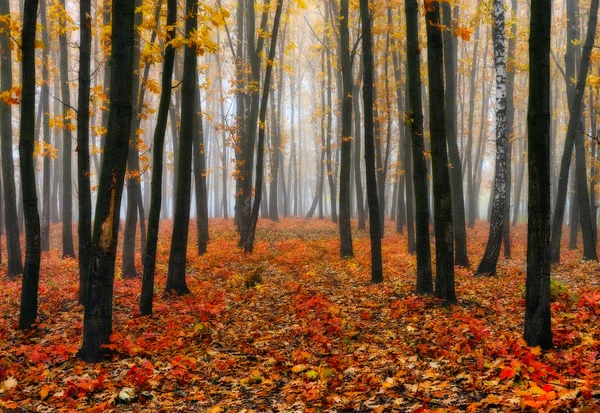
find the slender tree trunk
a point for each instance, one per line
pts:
(31, 275)
(519, 187)
(200, 177)
(492, 251)
(360, 202)
(442, 194)
(55, 209)
(574, 138)
(573, 212)
(537, 291)
(510, 121)
(413, 64)
(255, 48)
(83, 149)
(461, 257)
(593, 205)
(251, 231)
(329, 161)
(133, 164)
(67, 176)
(346, 249)
(13, 245)
(147, 295)
(176, 282)
(375, 220)
(45, 104)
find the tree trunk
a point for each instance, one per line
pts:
(251, 230)
(537, 294)
(360, 202)
(461, 257)
(492, 250)
(200, 177)
(176, 282)
(346, 250)
(97, 321)
(31, 275)
(442, 193)
(83, 148)
(13, 244)
(510, 121)
(375, 220)
(329, 161)
(413, 64)
(593, 205)
(67, 176)
(147, 295)
(45, 104)
(133, 164)
(575, 138)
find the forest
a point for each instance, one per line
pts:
(299, 206)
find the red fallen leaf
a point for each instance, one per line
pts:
(507, 373)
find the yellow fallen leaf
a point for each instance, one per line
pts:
(299, 368)
(44, 392)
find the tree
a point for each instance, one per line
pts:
(346, 249)
(176, 282)
(413, 65)
(133, 161)
(254, 50)
(537, 290)
(510, 126)
(200, 177)
(45, 105)
(442, 194)
(31, 274)
(157, 164)
(251, 230)
(368, 102)
(458, 202)
(67, 177)
(97, 320)
(13, 244)
(83, 148)
(492, 250)
(574, 138)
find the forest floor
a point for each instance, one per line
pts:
(311, 336)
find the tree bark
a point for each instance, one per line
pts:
(31, 275)
(537, 291)
(83, 148)
(461, 256)
(375, 220)
(67, 176)
(492, 250)
(147, 295)
(413, 64)
(575, 138)
(510, 121)
(200, 177)
(176, 282)
(97, 321)
(360, 201)
(346, 249)
(45, 104)
(13, 244)
(442, 193)
(133, 163)
(251, 230)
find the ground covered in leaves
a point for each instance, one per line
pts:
(292, 328)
